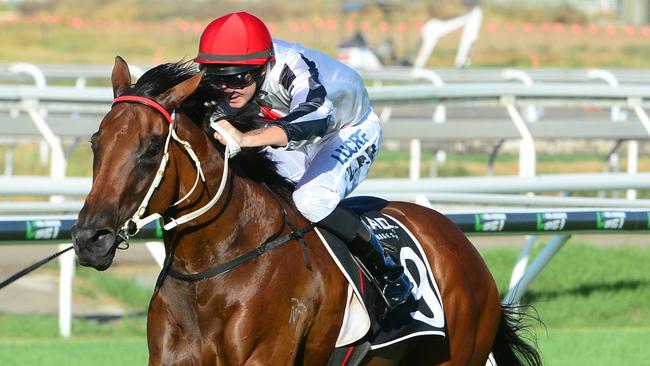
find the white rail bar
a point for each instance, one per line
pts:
(520, 267)
(80, 186)
(541, 93)
(483, 75)
(395, 73)
(536, 266)
(478, 199)
(66, 275)
(508, 184)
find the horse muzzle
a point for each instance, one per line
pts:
(95, 247)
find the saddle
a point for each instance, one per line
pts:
(366, 325)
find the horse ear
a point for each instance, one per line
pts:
(121, 77)
(173, 97)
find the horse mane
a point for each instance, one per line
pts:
(253, 163)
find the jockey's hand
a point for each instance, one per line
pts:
(237, 135)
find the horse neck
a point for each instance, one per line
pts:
(246, 214)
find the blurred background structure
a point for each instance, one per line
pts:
(513, 33)
(519, 112)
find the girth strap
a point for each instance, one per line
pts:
(272, 242)
(303, 244)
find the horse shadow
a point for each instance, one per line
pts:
(586, 290)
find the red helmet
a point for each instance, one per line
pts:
(236, 39)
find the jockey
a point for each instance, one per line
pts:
(324, 136)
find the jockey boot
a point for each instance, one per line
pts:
(388, 276)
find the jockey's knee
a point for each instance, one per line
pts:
(314, 203)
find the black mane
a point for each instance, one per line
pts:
(159, 79)
(253, 163)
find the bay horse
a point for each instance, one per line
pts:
(271, 309)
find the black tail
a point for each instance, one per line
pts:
(509, 349)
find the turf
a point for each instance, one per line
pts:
(595, 346)
(94, 351)
(585, 286)
(592, 300)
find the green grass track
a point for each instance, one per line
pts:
(97, 351)
(593, 301)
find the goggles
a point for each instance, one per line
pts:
(236, 81)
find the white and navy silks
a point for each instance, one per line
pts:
(333, 134)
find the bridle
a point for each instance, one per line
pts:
(133, 225)
(232, 148)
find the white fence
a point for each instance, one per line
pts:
(502, 191)
(560, 223)
(76, 111)
(423, 106)
(79, 74)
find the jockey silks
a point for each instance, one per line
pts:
(315, 94)
(333, 134)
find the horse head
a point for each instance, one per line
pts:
(127, 151)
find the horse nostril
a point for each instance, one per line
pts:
(91, 236)
(95, 247)
(101, 234)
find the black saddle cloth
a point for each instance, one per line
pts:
(421, 316)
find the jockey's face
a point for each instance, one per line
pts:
(240, 96)
(239, 86)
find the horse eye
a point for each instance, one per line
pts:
(152, 150)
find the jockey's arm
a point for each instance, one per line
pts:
(271, 135)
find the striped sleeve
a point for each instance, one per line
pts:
(310, 108)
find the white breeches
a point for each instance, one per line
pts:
(328, 170)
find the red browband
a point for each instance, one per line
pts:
(150, 102)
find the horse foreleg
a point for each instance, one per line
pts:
(173, 336)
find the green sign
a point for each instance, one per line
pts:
(42, 229)
(551, 221)
(159, 229)
(489, 222)
(610, 220)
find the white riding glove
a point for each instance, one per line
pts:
(232, 147)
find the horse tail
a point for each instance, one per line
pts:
(509, 347)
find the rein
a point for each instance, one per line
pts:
(29, 269)
(231, 149)
(272, 242)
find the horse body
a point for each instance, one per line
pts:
(251, 311)
(272, 310)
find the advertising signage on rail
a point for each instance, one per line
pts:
(55, 229)
(58, 229)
